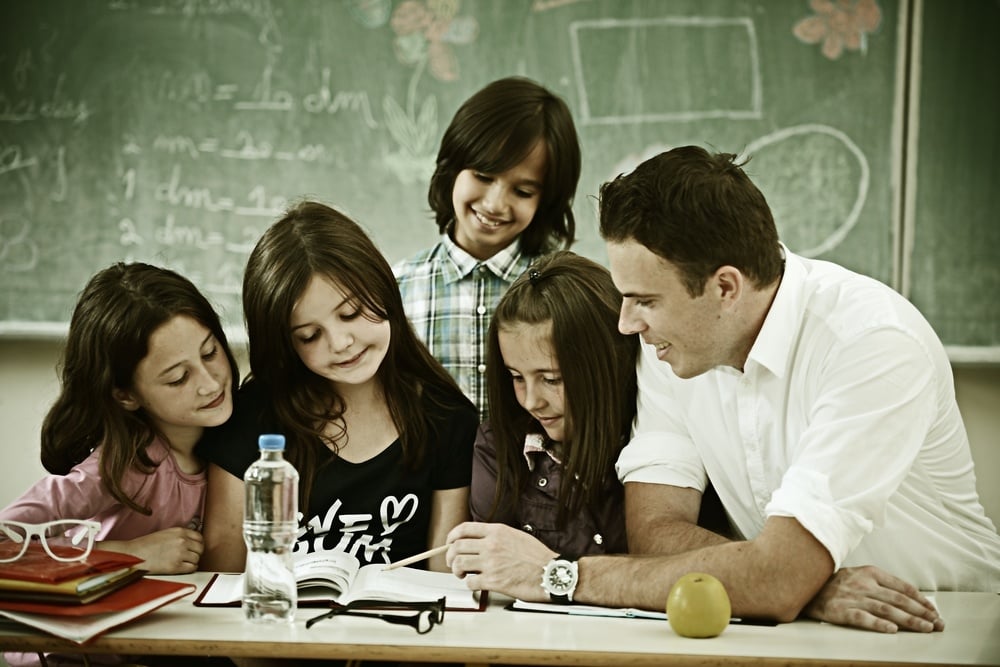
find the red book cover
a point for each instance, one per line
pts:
(81, 623)
(37, 565)
(124, 598)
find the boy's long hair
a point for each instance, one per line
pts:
(495, 130)
(597, 365)
(312, 239)
(115, 315)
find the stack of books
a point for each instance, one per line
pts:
(37, 577)
(81, 599)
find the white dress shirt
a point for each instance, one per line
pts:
(843, 418)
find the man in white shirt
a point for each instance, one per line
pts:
(818, 402)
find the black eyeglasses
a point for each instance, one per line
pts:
(426, 614)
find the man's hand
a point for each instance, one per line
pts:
(872, 599)
(170, 551)
(497, 557)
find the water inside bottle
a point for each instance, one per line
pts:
(269, 593)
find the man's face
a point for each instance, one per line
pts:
(687, 331)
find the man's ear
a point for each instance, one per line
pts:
(125, 399)
(729, 282)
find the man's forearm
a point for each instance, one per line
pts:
(671, 537)
(762, 578)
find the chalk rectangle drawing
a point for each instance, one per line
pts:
(666, 69)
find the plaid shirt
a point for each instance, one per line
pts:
(450, 297)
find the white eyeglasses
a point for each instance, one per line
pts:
(65, 540)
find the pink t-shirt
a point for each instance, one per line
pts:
(175, 498)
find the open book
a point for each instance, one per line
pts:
(614, 612)
(337, 576)
(585, 610)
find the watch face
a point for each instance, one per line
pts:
(560, 577)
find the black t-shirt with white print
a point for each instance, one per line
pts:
(378, 510)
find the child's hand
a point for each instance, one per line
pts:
(170, 551)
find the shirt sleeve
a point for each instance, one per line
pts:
(456, 435)
(78, 494)
(661, 451)
(484, 476)
(872, 413)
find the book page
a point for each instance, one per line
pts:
(321, 575)
(410, 584)
(586, 610)
(617, 612)
(325, 575)
(224, 589)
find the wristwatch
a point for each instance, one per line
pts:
(559, 577)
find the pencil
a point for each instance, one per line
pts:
(416, 558)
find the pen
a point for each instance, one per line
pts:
(753, 621)
(416, 558)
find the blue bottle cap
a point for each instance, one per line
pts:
(271, 442)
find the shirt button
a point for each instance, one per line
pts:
(482, 268)
(542, 481)
(528, 528)
(481, 368)
(481, 310)
(598, 538)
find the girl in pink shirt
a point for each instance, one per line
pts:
(145, 370)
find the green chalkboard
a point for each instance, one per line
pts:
(174, 131)
(955, 263)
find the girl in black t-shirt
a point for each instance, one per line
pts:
(379, 432)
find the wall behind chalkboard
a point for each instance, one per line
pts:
(175, 131)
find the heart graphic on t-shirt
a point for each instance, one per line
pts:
(396, 512)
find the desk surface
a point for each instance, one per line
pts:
(972, 636)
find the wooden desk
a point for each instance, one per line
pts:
(972, 636)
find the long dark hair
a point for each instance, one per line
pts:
(315, 239)
(495, 130)
(115, 315)
(597, 364)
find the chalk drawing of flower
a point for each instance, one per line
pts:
(425, 32)
(839, 24)
(425, 29)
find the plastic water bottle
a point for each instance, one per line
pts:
(270, 522)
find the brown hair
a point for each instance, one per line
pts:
(315, 239)
(699, 211)
(115, 315)
(496, 129)
(597, 364)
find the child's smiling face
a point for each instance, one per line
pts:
(183, 383)
(491, 210)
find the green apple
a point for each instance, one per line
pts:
(698, 606)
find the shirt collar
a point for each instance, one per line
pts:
(775, 342)
(533, 443)
(507, 264)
